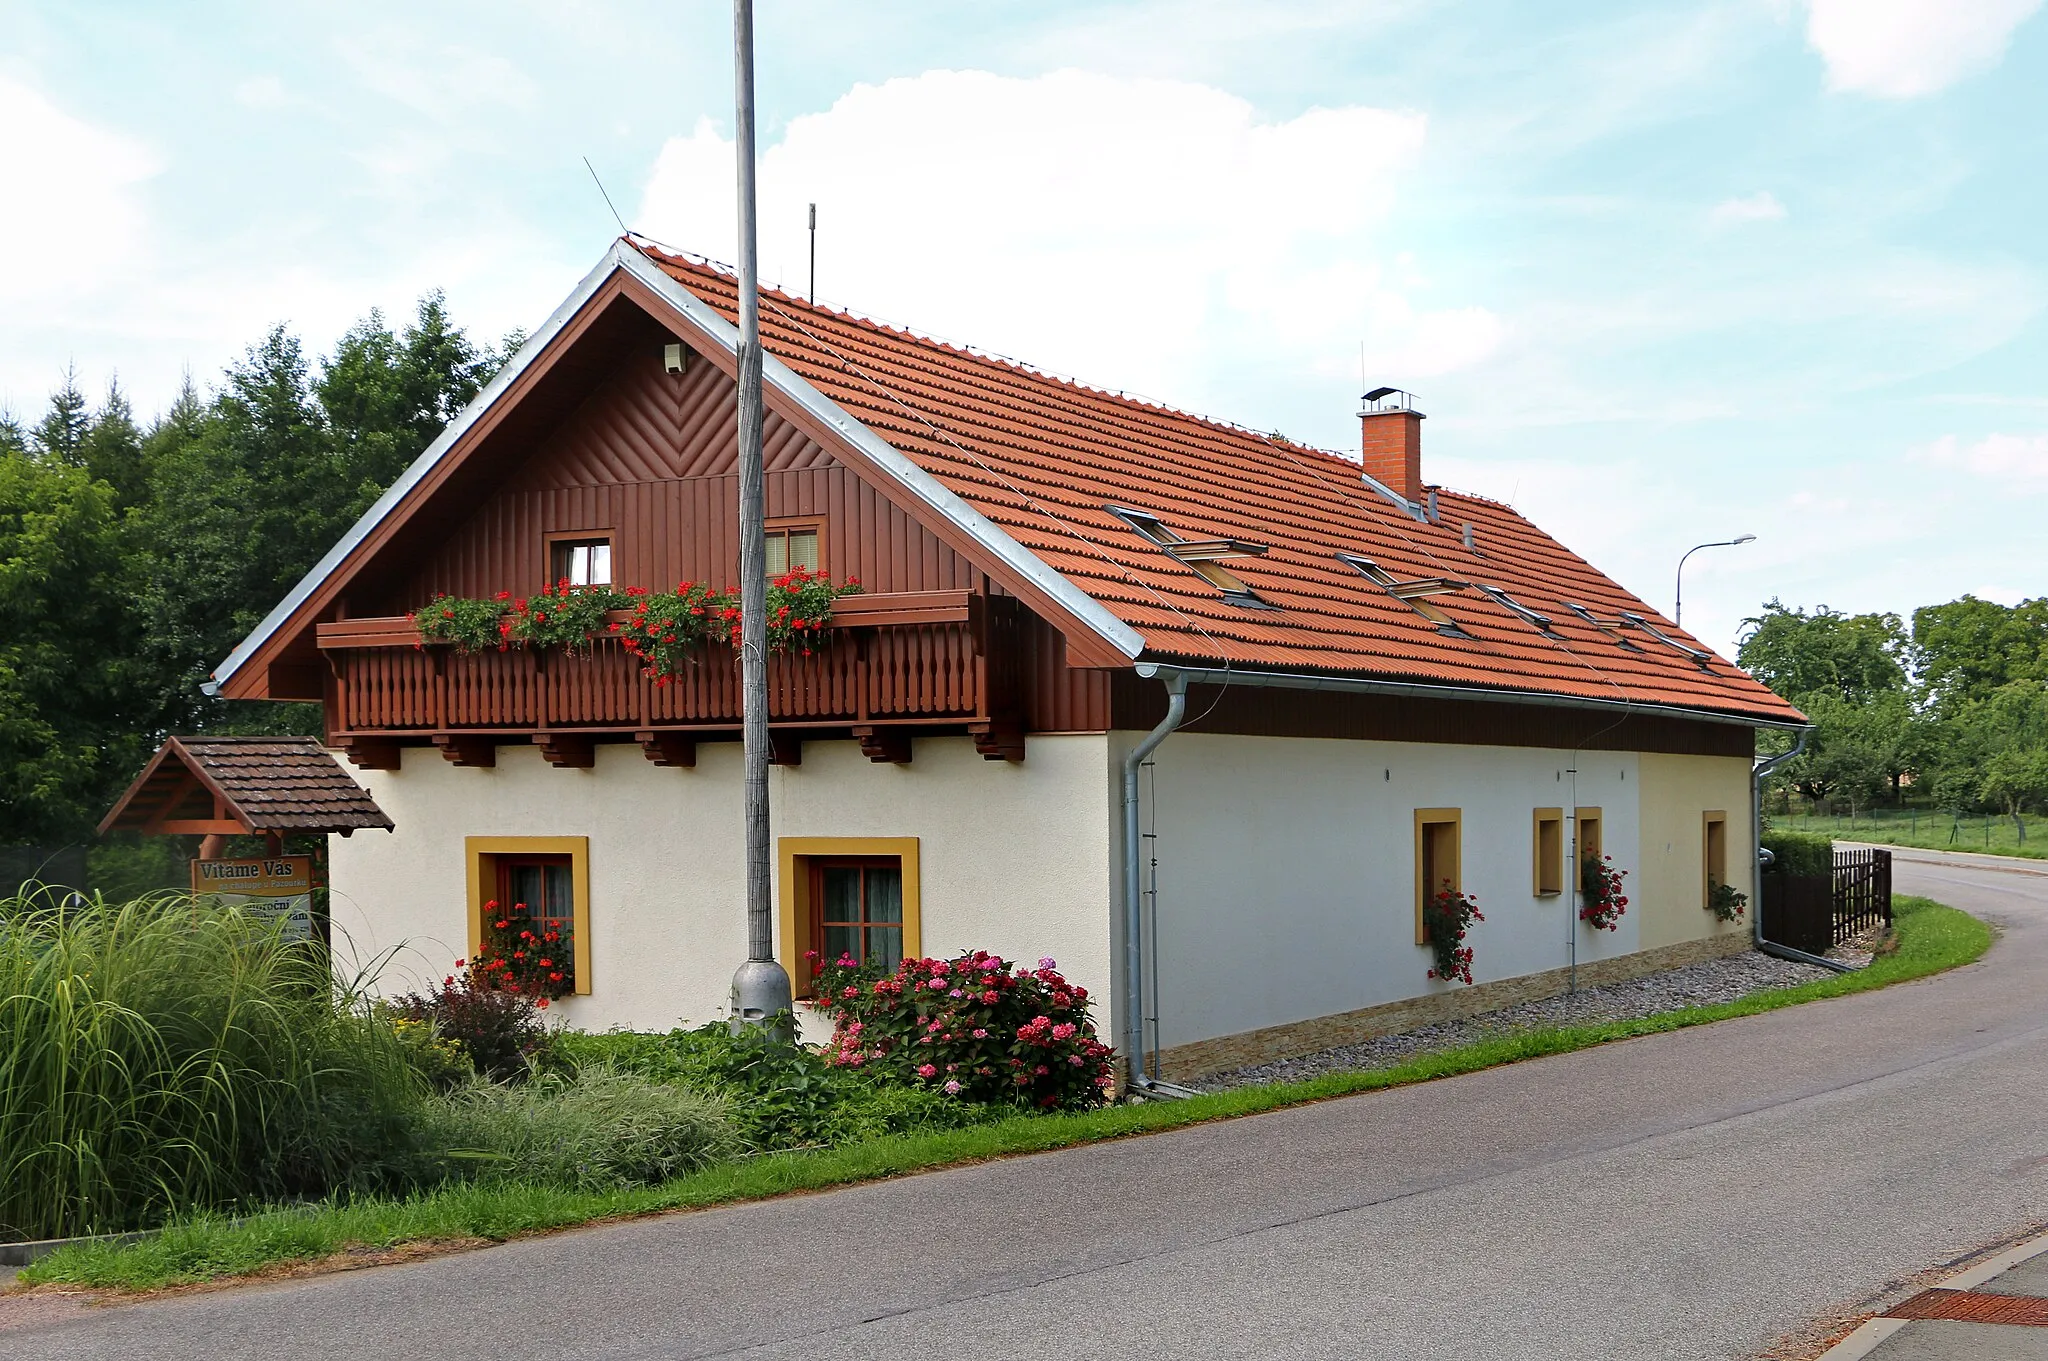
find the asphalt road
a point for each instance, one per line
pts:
(1692, 1195)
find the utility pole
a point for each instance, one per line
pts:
(761, 993)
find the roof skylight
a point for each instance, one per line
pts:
(1414, 594)
(1200, 556)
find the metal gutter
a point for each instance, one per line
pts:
(1292, 680)
(1134, 933)
(421, 466)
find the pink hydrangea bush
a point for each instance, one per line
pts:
(974, 1027)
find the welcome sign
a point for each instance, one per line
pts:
(277, 887)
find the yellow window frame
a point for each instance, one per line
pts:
(1546, 863)
(481, 854)
(795, 853)
(1425, 820)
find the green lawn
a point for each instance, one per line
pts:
(1932, 831)
(1931, 938)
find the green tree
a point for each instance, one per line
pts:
(387, 397)
(1966, 649)
(1853, 657)
(111, 449)
(69, 723)
(60, 435)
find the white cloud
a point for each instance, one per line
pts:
(68, 184)
(1901, 48)
(2006, 462)
(1146, 233)
(1762, 206)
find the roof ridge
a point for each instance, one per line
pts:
(704, 264)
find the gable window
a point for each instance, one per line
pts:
(550, 874)
(794, 545)
(580, 561)
(1436, 859)
(852, 896)
(1547, 847)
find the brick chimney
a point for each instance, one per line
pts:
(1391, 432)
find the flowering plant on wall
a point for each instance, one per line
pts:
(1446, 918)
(1725, 901)
(1600, 898)
(662, 629)
(525, 954)
(471, 625)
(973, 1026)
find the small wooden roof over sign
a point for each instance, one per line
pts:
(227, 786)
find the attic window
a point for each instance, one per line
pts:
(1612, 630)
(1200, 555)
(1703, 660)
(1541, 622)
(1414, 594)
(580, 561)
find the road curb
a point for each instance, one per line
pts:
(1865, 1339)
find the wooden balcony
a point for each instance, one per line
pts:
(891, 666)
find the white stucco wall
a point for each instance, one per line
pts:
(1013, 858)
(1286, 870)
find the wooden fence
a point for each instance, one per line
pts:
(1813, 912)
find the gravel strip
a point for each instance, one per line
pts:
(1693, 985)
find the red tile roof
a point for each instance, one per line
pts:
(1042, 457)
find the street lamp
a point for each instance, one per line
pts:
(1678, 592)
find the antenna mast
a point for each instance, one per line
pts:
(813, 294)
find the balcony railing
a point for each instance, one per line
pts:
(930, 659)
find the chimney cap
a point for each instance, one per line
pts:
(1388, 399)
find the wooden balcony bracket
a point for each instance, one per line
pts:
(566, 751)
(668, 748)
(998, 739)
(785, 748)
(890, 746)
(371, 753)
(467, 749)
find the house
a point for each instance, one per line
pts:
(1353, 686)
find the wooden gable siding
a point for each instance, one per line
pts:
(651, 458)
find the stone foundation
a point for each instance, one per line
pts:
(1185, 1062)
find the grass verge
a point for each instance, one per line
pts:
(1978, 835)
(1931, 938)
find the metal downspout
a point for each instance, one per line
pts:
(1134, 941)
(1756, 834)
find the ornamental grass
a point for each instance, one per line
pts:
(161, 1056)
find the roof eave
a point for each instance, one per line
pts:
(1309, 680)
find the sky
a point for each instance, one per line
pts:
(1658, 274)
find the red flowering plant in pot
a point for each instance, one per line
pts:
(562, 615)
(664, 629)
(526, 954)
(1601, 901)
(1446, 918)
(973, 1026)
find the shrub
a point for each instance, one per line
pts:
(593, 1129)
(779, 1096)
(499, 1030)
(161, 1056)
(1800, 853)
(971, 1027)
(1446, 918)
